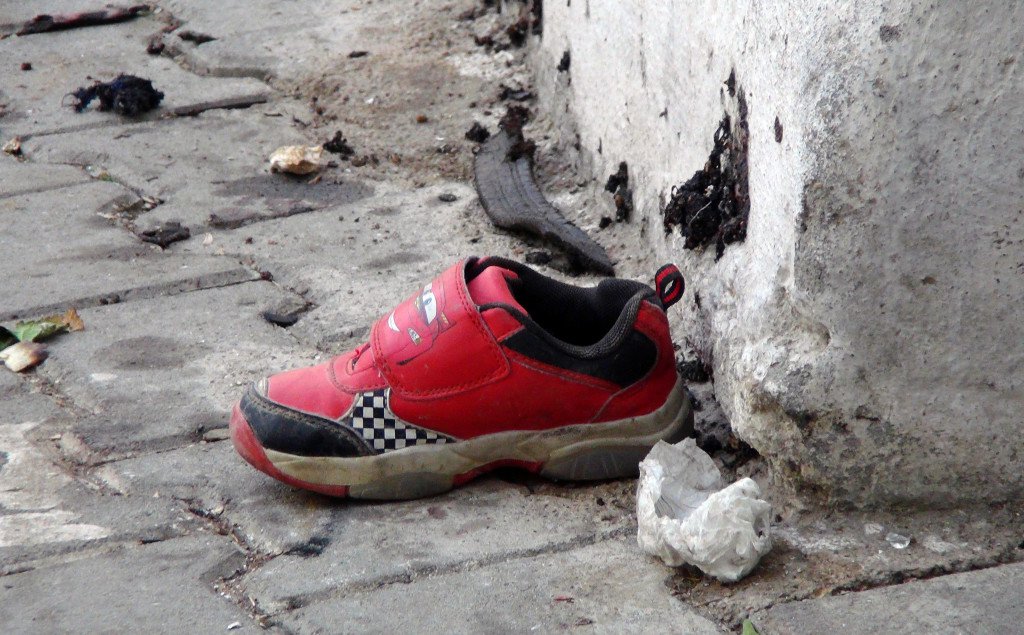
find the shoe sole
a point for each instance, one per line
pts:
(584, 452)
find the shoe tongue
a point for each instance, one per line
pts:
(491, 287)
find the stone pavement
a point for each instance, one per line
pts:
(122, 505)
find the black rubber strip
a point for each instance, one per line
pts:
(513, 201)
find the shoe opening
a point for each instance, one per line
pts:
(577, 316)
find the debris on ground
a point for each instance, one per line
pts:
(338, 144)
(694, 371)
(713, 205)
(604, 222)
(26, 66)
(538, 257)
(286, 314)
(20, 345)
(685, 515)
(508, 93)
(529, 21)
(898, 541)
(59, 22)
(229, 103)
(299, 160)
(504, 180)
(23, 355)
(367, 159)
(156, 44)
(512, 123)
(126, 95)
(563, 64)
(195, 37)
(358, 54)
(477, 133)
(282, 320)
(618, 185)
(166, 234)
(13, 147)
(447, 197)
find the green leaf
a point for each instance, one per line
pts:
(36, 330)
(748, 628)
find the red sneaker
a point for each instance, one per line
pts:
(492, 364)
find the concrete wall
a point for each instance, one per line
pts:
(868, 336)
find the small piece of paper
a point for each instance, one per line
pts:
(296, 159)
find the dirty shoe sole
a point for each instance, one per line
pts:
(582, 452)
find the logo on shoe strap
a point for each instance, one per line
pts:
(372, 418)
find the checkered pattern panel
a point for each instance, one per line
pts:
(372, 418)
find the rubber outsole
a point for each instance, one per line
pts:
(594, 451)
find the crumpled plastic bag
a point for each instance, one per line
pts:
(686, 516)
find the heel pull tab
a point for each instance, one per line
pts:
(670, 284)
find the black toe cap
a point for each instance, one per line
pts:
(292, 432)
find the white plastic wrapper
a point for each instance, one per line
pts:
(686, 515)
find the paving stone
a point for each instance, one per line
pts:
(298, 40)
(609, 587)
(210, 166)
(273, 518)
(489, 521)
(984, 601)
(61, 253)
(44, 509)
(37, 101)
(157, 373)
(355, 261)
(17, 402)
(161, 587)
(22, 177)
(331, 544)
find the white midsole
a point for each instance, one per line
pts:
(464, 456)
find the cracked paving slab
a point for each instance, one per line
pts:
(37, 102)
(327, 546)
(203, 168)
(62, 253)
(609, 587)
(984, 601)
(158, 373)
(46, 509)
(161, 587)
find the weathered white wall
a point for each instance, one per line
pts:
(868, 337)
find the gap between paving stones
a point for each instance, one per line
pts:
(189, 62)
(825, 572)
(426, 571)
(225, 585)
(241, 275)
(41, 189)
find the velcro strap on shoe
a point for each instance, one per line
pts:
(670, 284)
(436, 343)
